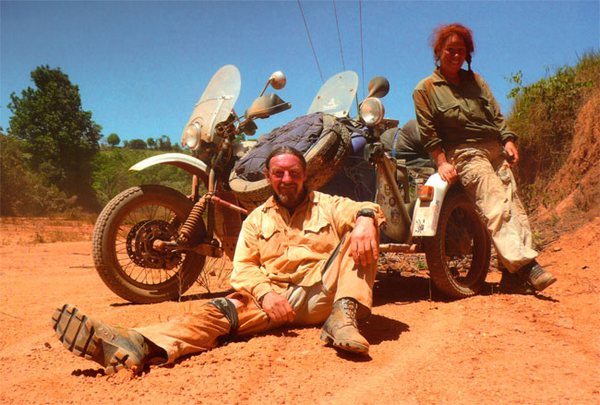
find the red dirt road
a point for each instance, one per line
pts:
(493, 348)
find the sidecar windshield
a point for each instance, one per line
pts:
(336, 95)
(214, 106)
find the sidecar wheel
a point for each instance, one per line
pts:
(123, 251)
(458, 256)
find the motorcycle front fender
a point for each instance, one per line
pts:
(186, 162)
(427, 213)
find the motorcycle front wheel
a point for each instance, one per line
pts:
(123, 245)
(458, 256)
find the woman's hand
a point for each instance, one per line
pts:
(448, 172)
(512, 152)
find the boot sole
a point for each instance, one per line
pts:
(77, 333)
(347, 345)
(541, 286)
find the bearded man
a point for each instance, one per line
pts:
(302, 258)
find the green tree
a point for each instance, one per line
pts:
(60, 137)
(151, 143)
(23, 191)
(164, 143)
(113, 140)
(137, 144)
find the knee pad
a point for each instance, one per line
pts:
(227, 307)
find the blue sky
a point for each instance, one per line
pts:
(141, 65)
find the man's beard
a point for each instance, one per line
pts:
(285, 199)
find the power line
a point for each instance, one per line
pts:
(337, 24)
(310, 41)
(362, 52)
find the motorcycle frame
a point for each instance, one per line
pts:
(393, 196)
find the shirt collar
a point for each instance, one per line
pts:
(438, 77)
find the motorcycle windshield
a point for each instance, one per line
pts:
(214, 106)
(336, 95)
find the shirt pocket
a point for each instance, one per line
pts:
(486, 108)
(319, 236)
(450, 114)
(269, 241)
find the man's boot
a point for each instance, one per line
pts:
(513, 283)
(112, 348)
(341, 329)
(536, 276)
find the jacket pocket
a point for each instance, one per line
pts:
(316, 227)
(450, 114)
(486, 108)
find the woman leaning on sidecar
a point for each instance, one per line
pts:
(462, 127)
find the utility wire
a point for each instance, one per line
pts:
(362, 52)
(310, 41)
(337, 24)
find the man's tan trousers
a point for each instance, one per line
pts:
(200, 329)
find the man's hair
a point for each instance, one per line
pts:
(443, 32)
(285, 150)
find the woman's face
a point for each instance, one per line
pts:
(453, 55)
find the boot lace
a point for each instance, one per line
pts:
(349, 307)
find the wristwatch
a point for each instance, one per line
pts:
(366, 212)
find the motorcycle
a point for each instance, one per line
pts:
(151, 243)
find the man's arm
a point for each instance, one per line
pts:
(364, 229)
(247, 275)
(364, 245)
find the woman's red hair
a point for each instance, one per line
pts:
(443, 32)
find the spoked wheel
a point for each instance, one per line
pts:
(127, 243)
(458, 256)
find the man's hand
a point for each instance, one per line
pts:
(364, 246)
(277, 307)
(512, 152)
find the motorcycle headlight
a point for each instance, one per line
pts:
(191, 136)
(371, 111)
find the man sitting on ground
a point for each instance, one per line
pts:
(302, 258)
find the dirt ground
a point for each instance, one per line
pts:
(492, 348)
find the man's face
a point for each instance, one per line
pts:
(287, 177)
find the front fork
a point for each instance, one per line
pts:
(392, 193)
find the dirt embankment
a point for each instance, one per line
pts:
(491, 348)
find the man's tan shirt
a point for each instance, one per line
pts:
(275, 249)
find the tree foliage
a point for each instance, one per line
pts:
(544, 114)
(112, 175)
(59, 136)
(24, 191)
(137, 144)
(113, 140)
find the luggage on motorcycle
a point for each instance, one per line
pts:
(322, 138)
(405, 143)
(356, 178)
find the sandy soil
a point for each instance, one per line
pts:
(493, 348)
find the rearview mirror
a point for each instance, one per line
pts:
(277, 80)
(379, 86)
(265, 106)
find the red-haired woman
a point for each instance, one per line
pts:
(462, 127)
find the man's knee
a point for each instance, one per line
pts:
(228, 308)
